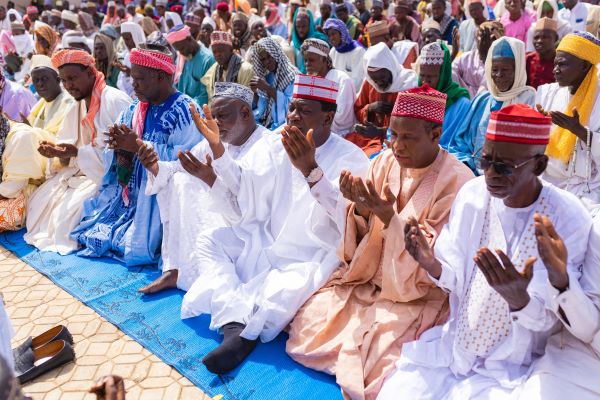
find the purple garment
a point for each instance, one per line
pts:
(469, 72)
(16, 100)
(347, 44)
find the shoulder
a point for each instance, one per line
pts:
(115, 97)
(345, 149)
(530, 56)
(569, 213)
(246, 66)
(473, 192)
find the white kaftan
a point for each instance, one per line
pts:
(573, 176)
(569, 368)
(344, 120)
(54, 209)
(351, 63)
(441, 366)
(282, 244)
(185, 210)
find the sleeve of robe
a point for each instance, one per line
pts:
(361, 106)
(343, 121)
(246, 74)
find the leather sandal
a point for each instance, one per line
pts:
(35, 362)
(59, 332)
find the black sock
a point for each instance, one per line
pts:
(231, 352)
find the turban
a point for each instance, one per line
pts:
(584, 46)
(546, 24)
(316, 46)
(432, 54)
(41, 61)
(233, 90)
(315, 88)
(72, 56)
(136, 31)
(378, 28)
(209, 21)
(223, 7)
(152, 59)
(421, 102)
(377, 3)
(178, 34)
(32, 10)
(519, 123)
(218, 37)
(192, 19)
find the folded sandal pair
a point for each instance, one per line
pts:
(43, 353)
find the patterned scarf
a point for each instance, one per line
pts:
(444, 23)
(284, 75)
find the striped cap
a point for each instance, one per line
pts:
(315, 88)
(421, 102)
(519, 123)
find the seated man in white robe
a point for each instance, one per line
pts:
(23, 167)
(76, 170)
(488, 259)
(570, 365)
(287, 219)
(182, 194)
(573, 102)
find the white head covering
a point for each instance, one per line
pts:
(161, 3)
(71, 37)
(70, 16)
(14, 12)
(380, 56)
(486, 13)
(137, 32)
(41, 61)
(520, 84)
(209, 21)
(173, 16)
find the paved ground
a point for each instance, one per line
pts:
(34, 304)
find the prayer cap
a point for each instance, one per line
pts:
(162, 3)
(315, 88)
(111, 3)
(234, 90)
(378, 28)
(46, 14)
(72, 56)
(582, 45)
(192, 19)
(430, 23)
(152, 59)
(70, 16)
(56, 13)
(432, 54)
(32, 10)
(17, 25)
(546, 24)
(317, 46)
(325, 2)
(110, 31)
(178, 33)
(209, 21)
(222, 6)
(377, 3)
(341, 7)
(503, 50)
(219, 37)
(519, 123)
(421, 102)
(42, 61)
(91, 4)
(177, 8)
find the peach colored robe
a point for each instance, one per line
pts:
(379, 298)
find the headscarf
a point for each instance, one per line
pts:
(312, 34)
(244, 41)
(519, 86)
(381, 57)
(72, 37)
(137, 33)
(173, 16)
(584, 46)
(45, 31)
(209, 21)
(346, 43)
(148, 25)
(14, 12)
(106, 66)
(445, 83)
(284, 75)
(86, 22)
(72, 56)
(318, 47)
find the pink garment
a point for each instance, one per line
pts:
(6, 43)
(518, 29)
(469, 72)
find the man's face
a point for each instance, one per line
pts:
(184, 47)
(376, 13)
(382, 78)
(302, 26)
(194, 29)
(100, 51)
(161, 10)
(128, 39)
(258, 30)
(413, 141)
(267, 61)
(205, 32)
(91, 10)
(145, 82)
(342, 14)
(314, 63)
(325, 11)
(430, 74)
(570, 3)
(70, 25)
(438, 8)
(519, 182)
(54, 20)
(46, 83)
(77, 80)
(230, 116)
(476, 11)
(503, 73)
(239, 28)
(544, 41)
(513, 6)
(222, 53)
(307, 114)
(131, 9)
(568, 69)
(111, 10)
(17, 31)
(431, 36)
(33, 17)
(400, 13)
(360, 5)
(335, 38)
(121, 13)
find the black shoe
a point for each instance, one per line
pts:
(35, 362)
(59, 332)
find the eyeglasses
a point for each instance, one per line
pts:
(500, 167)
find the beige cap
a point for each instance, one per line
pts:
(546, 24)
(41, 61)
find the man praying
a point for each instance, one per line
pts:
(380, 297)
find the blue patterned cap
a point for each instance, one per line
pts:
(234, 91)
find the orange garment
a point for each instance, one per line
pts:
(379, 298)
(367, 95)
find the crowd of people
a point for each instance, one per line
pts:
(411, 190)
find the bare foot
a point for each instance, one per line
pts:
(168, 280)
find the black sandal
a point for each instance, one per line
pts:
(35, 362)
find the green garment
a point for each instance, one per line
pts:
(352, 25)
(113, 78)
(193, 71)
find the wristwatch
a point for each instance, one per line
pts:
(315, 175)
